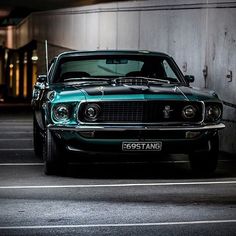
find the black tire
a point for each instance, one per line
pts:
(205, 163)
(55, 167)
(53, 156)
(38, 140)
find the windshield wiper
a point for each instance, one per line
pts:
(87, 79)
(146, 79)
(154, 80)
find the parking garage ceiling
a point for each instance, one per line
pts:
(13, 11)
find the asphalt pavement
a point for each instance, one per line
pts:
(162, 198)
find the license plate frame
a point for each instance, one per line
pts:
(142, 146)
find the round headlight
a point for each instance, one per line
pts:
(189, 112)
(213, 113)
(91, 112)
(61, 113)
(51, 95)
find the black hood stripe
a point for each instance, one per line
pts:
(123, 90)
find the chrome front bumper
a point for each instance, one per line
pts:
(138, 127)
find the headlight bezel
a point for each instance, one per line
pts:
(189, 116)
(91, 112)
(61, 108)
(213, 112)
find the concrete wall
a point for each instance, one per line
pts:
(196, 33)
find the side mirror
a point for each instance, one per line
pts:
(189, 78)
(41, 82)
(42, 79)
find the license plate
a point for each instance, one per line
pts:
(141, 146)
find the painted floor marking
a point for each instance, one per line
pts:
(16, 123)
(223, 160)
(17, 132)
(16, 149)
(8, 124)
(118, 225)
(15, 139)
(10, 121)
(117, 185)
(16, 127)
(21, 164)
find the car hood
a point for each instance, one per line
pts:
(75, 92)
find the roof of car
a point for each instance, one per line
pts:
(113, 52)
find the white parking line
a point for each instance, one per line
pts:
(118, 185)
(16, 124)
(16, 149)
(171, 162)
(21, 164)
(118, 225)
(6, 128)
(13, 121)
(15, 139)
(16, 132)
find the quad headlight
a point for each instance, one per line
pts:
(189, 112)
(51, 95)
(61, 113)
(91, 112)
(213, 113)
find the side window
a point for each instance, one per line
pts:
(50, 66)
(168, 70)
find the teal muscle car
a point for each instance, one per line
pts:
(123, 102)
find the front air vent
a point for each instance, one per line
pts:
(131, 81)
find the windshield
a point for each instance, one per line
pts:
(77, 68)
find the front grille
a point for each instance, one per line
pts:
(122, 111)
(143, 112)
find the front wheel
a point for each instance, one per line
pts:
(53, 156)
(205, 163)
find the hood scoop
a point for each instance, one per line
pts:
(131, 81)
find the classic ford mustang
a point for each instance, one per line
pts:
(123, 102)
